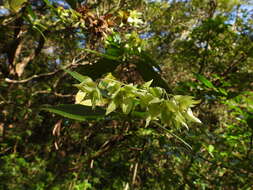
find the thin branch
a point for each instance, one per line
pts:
(32, 77)
(135, 173)
(54, 93)
(174, 135)
(41, 75)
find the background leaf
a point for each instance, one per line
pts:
(72, 3)
(205, 81)
(14, 5)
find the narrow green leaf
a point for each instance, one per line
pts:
(31, 12)
(77, 76)
(210, 150)
(148, 73)
(205, 81)
(99, 68)
(72, 3)
(76, 111)
(48, 3)
(14, 5)
(185, 102)
(102, 54)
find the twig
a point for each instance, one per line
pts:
(54, 93)
(73, 63)
(135, 173)
(31, 78)
(174, 135)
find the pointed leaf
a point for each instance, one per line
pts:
(98, 69)
(148, 120)
(191, 117)
(72, 3)
(147, 84)
(14, 5)
(102, 54)
(78, 76)
(148, 73)
(76, 111)
(185, 102)
(205, 81)
(111, 107)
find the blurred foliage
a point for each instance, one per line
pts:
(125, 138)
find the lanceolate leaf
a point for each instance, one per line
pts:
(76, 111)
(76, 75)
(72, 3)
(148, 73)
(14, 5)
(98, 69)
(205, 81)
(102, 54)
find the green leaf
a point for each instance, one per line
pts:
(148, 73)
(145, 132)
(166, 117)
(127, 105)
(78, 76)
(72, 3)
(111, 107)
(102, 54)
(210, 150)
(205, 81)
(185, 102)
(147, 84)
(145, 99)
(48, 3)
(14, 5)
(114, 51)
(154, 109)
(157, 91)
(223, 91)
(76, 111)
(147, 57)
(87, 85)
(31, 12)
(99, 68)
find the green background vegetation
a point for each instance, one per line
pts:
(126, 132)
